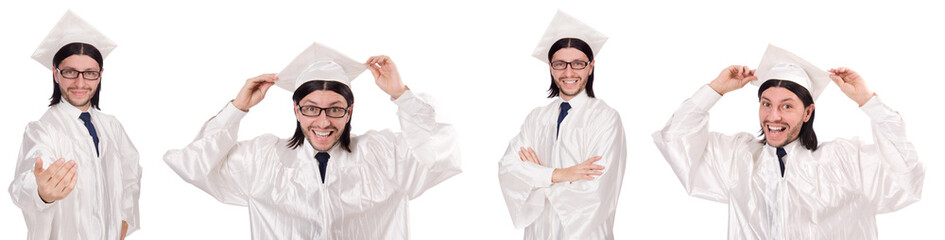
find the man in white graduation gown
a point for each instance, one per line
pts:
(77, 175)
(321, 183)
(561, 175)
(787, 185)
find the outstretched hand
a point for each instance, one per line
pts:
(386, 75)
(732, 78)
(253, 91)
(57, 181)
(852, 84)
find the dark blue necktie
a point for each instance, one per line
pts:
(565, 106)
(322, 163)
(87, 118)
(781, 154)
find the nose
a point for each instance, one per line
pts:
(773, 114)
(569, 71)
(321, 120)
(80, 82)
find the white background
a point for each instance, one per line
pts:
(179, 62)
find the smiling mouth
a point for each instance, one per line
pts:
(322, 134)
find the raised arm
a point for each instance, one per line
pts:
(211, 161)
(702, 160)
(891, 172)
(426, 152)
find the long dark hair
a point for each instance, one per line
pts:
(68, 50)
(298, 138)
(579, 44)
(807, 136)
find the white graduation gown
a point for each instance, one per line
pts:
(831, 193)
(108, 186)
(365, 193)
(579, 210)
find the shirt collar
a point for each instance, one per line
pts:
(790, 148)
(69, 109)
(578, 101)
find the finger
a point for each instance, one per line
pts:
(595, 167)
(591, 160)
(38, 167)
(385, 61)
(264, 87)
(68, 189)
(71, 177)
(837, 79)
(598, 173)
(53, 168)
(521, 155)
(60, 177)
(374, 70)
(533, 155)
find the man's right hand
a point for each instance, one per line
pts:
(57, 181)
(732, 78)
(254, 91)
(584, 171)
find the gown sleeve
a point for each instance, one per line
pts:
(705, 162)
(23, 189)
(524, 184)
(425, 153)
(130, 179)
(891, 172)
(215, 162)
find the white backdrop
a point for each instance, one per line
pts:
(179, 62)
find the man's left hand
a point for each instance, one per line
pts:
(852, 84)
(386, 75)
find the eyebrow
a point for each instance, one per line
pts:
(85, 70)
(331, 104)
(782, 100)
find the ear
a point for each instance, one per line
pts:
(591, 66)
(54, 76)
(808, 111)
(298, 114)
(350, 111)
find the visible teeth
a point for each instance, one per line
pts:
(775, 128)
(322, 133)
(570, 82)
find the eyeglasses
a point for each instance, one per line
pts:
(576, 65)
(73, 74)
(332, 112)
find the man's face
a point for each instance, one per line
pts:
(570, 82)
(322, 131)
(782, 114)
(78, 91)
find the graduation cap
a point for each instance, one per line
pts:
(319, 62)
(71, 29)
(566, 26)
(779, 64)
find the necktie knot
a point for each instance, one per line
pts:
(85, 117)
(322, 158)
(781, 154)
(565, 106)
